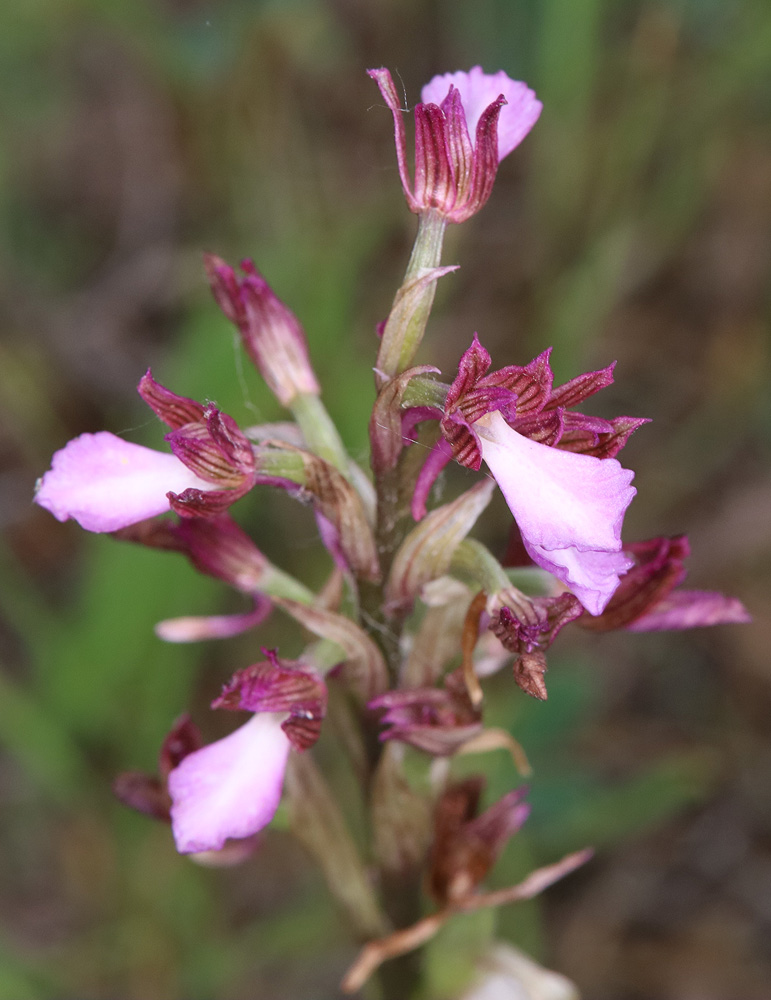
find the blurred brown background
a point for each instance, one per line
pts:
(634, 223)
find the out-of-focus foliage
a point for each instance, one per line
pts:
(635, 223)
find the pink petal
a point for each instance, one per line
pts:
(692, 609)
(591, 576)
(569, 508)
(106, 483)
(231, 788)
(478, 90)
(197, 629)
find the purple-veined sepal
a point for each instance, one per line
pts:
(684, 609)
(527, 399)
(148, 793)
(175, 411)
(647, 599)
(276, 685)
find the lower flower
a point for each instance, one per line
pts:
(231, 788)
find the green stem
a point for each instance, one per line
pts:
(400, 977)
(320, 433)
(277, 583)
(317, 822)
(427, 249)
(401, 341)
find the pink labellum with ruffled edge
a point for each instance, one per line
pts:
(229, 789)
(569, 508)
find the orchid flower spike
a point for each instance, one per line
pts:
(452, 176)
(106, 483)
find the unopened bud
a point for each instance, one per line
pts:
(270, 331)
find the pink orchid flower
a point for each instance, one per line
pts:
(231, 789)
(452, 176)
(556, 468)
(106, 483)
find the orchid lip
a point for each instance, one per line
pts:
(569, 508)
(106, 483)
(229, 789)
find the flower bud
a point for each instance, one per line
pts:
(270, 331)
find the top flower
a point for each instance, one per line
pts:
(452, 176)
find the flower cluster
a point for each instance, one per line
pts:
(415, 613)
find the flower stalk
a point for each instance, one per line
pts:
(318, 430)
(405, 327)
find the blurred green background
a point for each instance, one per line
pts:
(633, 224)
